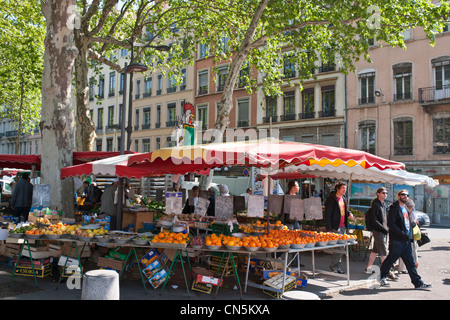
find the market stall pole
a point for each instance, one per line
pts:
(178, 258)
(27, 243)
(79, 254)
(132, 252)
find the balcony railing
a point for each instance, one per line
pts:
(433, 94)
(366, 100)
(202, 90)
(170, 124)
(327, 113)
(287, 117)
(267, 119)
(327, 67)
(243, 123)
(403, 96)
(307, 115)
(147, 94)
(171, 89)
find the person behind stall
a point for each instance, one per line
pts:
(22, 197)
(93, 194)
(82, 191)
(188, 209)
(246, 194)
(107, 202)
(337, 215)
(211, 211)
(293, 187)
(224, 190)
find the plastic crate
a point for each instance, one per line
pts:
(220, 228)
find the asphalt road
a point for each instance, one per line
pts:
(434, 268)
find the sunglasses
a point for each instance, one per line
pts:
(404, 194)
(384, 192)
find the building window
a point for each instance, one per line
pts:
(402, 77)
(159, 90)
(203, 82)
(157, 143)
(171, 85)
(112, 84)
(148, 87)
(243, 113)
(171, 114)
(441, 136)
(403, 137)
(244, 76)
(271, 109)
(136, 145)
(288, 106)
(158, 116)
(91, 88)
(110, 116)
(121, 83)
(136, 120)
(101, 86)
(308, 103)
(138, 89)
(289, 65)
(367, 88)
(100, 118)
(98, 144)
(147, 118)
(183, 83)
(203, 116)
(224, 44)
(203, 50)
(442, 76)
(327, 62)
(109, 144)
(328, 102)
(367, 136)
(222, 77)
(145, 145)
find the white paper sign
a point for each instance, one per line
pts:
(174, 202)
(202, 206)
(297, 208)
(313, 209)
(255, 206)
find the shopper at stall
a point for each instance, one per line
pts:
(400, 235)
(379, 228)
(108, 206)
(246, 194)
(22, 197)
(211, 211)
(224, 190)
(337, 215)
(190, 208)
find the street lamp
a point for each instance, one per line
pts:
(131, 68)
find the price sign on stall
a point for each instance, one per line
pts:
(174, 202)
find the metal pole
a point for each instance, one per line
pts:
(130, 107)
(122, 151)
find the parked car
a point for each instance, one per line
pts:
(362, 204)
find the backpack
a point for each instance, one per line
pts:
(368, 219)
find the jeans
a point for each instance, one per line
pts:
(22, 212)
(401, 249)
(336, 257)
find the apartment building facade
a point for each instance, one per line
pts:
(399, 109)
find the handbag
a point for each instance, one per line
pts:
(424, 239)
(416, 233)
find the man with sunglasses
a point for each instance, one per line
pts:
(378, 220)
(400, 235)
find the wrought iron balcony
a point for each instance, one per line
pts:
(267, 119)
(307, 115)
(287, 117)
(327, 113)
(432, 95)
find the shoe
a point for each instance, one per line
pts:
(402, 272)
(424, 286)
(336, 269)
(369, 271)
(384, 283)
(392, 276)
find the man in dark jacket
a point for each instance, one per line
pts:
(337, 215)
(22, 197)
(400, 235)
(378, 219)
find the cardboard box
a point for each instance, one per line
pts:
(110, 263)
(68, 247)
(202, 275)
(53, 218)
(276, 282)
(267, 274)
(40, 271)
(152, 269)
(202, 287)
(158, 278)
(149, 257)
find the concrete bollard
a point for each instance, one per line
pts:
(100, 285)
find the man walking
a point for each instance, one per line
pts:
(22, 197)
(378, 221)
(400, 235)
